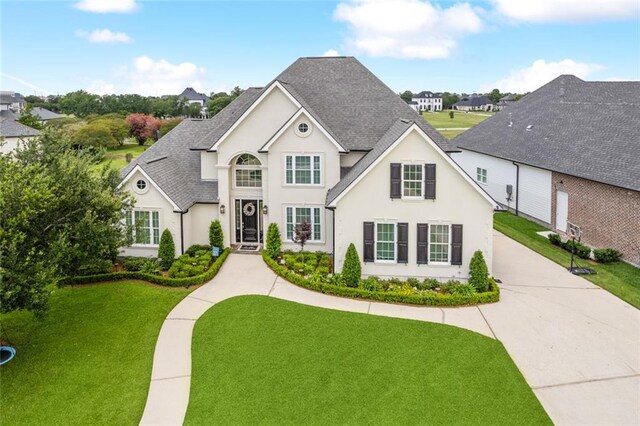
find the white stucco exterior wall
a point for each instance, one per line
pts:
(196, 224)
(208, 163)
(457, 202)
(350, 159)
(152, 200)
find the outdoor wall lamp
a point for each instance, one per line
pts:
(222, 208)
(265, 209)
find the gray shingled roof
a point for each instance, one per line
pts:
(190, 94)
(45, 114)
(394, 132)
(585, 129)
(176, 168)
(7, 97)
(10, 128)
(351, 103)
(474, 101)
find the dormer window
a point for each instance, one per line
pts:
(248, 172)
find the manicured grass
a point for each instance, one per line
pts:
(450, 134)
(460, 119)
(116, 157)
(619, 278)
(258, 360)
(89, 361)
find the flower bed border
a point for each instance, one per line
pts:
(491, 296)
(154, 279)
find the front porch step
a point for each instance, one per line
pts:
(246, 248)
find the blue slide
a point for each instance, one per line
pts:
(6, 354)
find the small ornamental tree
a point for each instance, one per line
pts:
(451, 115)
(167, 250)
(274, 240)
(216, 237)
(351, 270)
(478, 272)
(143, 127)
(302, 234)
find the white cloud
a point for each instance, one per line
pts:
(331, 52)
(539, 11)
(104, 36)
(107, 6)
(540, 73)
(407, 28)
(100, 87)
(150, 77)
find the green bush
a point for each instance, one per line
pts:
(606, 255)
(154, 279)
(191, 251)
(151, 267)
(351, 270)
(578, 248)
(478, 272)
(167, 250)
(133, 264)
(216, 237)
(191, 264)
(458, 288)
(98, 267)
(371, 283)
(555, 239)
(274, 240)
(424, 297)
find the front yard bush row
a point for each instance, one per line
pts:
(192, 263)
(207, 275)
(606, 255)
(314, 274)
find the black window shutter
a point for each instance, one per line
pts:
(456, 244)
(430, 181)
(403, 242)
(396, 180)
(368, 234)
(423, 244)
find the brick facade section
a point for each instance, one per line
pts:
(608, 216)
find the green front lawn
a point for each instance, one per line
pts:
(450, 134)
(117, 157)
(268, 361)
(619, 278)
(89, 361)
(460, 119)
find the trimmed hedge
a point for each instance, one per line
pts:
(491, 296)
(154, 279)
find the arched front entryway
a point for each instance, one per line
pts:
(247, 176)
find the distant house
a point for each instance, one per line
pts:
(12, 101)
(413, 105)
(568, 153)
(12, 132)
(44, 114)
(505, 101)
(428, 101)
(474, 103)
(191, 96)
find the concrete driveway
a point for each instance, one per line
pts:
(577, 345)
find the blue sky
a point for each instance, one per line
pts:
(160, 47)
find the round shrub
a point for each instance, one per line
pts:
(167, 250)
(578, 248)
(274, 240)
(351, 270)
(555, 239)
(607, 255)
(478, 272)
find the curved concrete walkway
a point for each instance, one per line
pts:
(577, 346)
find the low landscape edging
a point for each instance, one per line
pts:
(491, 296)
(155, 279)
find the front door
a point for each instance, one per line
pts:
(250, 214)
(562, 211)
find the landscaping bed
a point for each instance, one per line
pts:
(313, 271)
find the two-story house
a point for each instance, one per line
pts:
(370, 172)
(190, 96)
(428, 101)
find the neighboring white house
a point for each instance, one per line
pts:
(12, 133)
(428, 101)
(192, 97)
(12, 101)
(567, 153)
(370, 172)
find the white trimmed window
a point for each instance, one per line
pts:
(385, 242)
(481, 175)
(248, 172)
(297, 215)
(302, 170)
(439, 240)
(145, 226)
(412, 180)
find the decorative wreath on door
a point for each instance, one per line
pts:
(249, 209)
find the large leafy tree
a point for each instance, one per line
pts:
(57, 218)
(81, 104)
(406, 95)
(143, 127)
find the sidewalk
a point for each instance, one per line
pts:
(576, 344)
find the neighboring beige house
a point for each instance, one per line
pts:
(474, 103)
(301, 150)
(12, 133)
